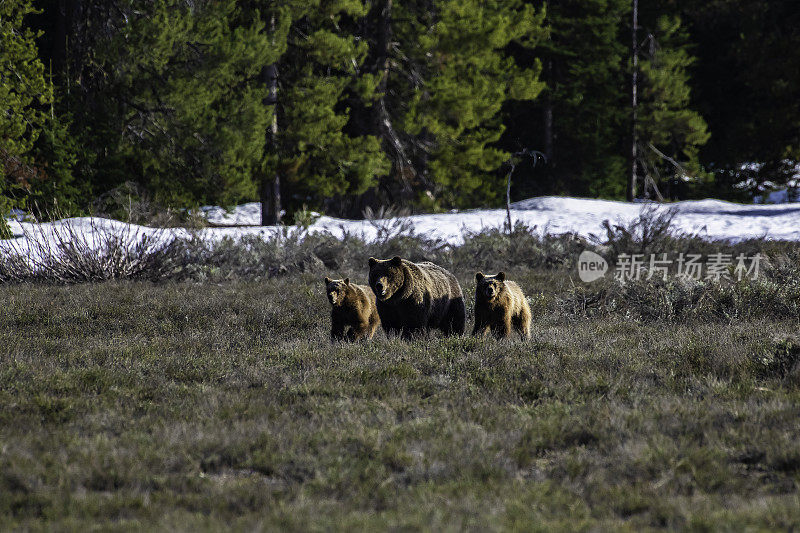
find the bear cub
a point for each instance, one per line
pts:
(500, 306)
(353, 312)
(414, 298)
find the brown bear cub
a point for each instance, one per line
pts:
(414, 298)
(500, 306)
(353, 307)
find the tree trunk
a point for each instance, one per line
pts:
(60, 40)
(384, 39)
(631, 192)
(548, 115)
(271, 185)
(382, 121)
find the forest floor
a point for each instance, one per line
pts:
(204, 406)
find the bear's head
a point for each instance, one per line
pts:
(386, 277)
(490, 287)
(337, 290)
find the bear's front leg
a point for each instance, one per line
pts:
(455, 321)
(503, 328)
(361, 331)
(522, 324)
(481, 327)
(337, 328)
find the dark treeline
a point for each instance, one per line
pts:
(351, 104)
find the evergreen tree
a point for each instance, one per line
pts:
(581, 120)
(24, 95)
(311, 151)
(745, 85)
(167, 94)
(459, 50)
(669, 131)
(56, 190)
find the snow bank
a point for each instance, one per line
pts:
(38, 241)
(712, 219)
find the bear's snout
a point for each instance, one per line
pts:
(380, 288)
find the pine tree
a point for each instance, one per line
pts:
(24, 95)
(312, 153)
(669, 132)
(581, 120)
(745, 85)
(167, 94)
(58, 157)
(376, 108)
(460, 52)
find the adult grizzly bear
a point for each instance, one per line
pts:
(353, 307)
(414, 298)
(500, 306)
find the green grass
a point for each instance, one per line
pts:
(202, 406)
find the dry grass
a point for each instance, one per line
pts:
(205, 406)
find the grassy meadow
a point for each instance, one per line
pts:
(187, 405)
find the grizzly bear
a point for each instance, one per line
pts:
(353, 307)
(500, 306)
(414, 298)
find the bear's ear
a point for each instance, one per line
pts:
(501, 276)
(347, 281)
(372, 261)
(328, 281)
(479, 276)
(397, 261)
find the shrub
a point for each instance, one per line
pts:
(134, 204)
(495, 249)
(651, 232)
(63, 253)
(774, 293)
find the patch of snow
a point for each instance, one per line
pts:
(711, 219)
(241, 215)
(17, 214)
(781, 196)
(35, 241)
(785, 195)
